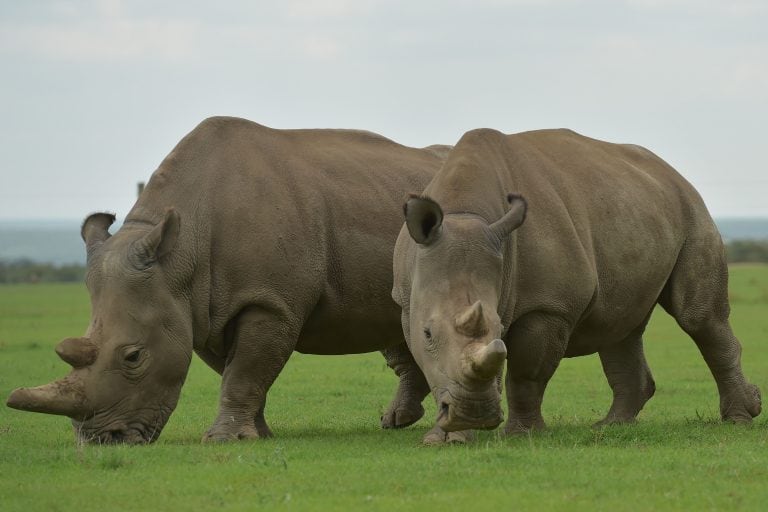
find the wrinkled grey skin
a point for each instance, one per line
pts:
(593, 236)
(248, 243)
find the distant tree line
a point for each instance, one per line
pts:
(747, 251)
(28, 271)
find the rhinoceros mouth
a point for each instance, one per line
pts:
(134, 434)
(93, 431)
(474, 411)
(127, 436)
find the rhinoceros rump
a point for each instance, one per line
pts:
(573, 263)
(248, 243)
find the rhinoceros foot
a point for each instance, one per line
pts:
(400, 415)
(519, 426)
(438, 436)
(613, 420)
(741, 407)
(226, 433)
(755, 400)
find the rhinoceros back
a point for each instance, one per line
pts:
(302, 222)
(602, 219)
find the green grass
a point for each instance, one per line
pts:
(329, 453)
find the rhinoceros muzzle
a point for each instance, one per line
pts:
(135, 434)
(121, 425)
(465, 410)
(93, 423)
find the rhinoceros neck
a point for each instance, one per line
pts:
(186, 267)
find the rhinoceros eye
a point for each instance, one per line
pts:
(430, 341)
(133, 356)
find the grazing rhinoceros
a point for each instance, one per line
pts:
(248, 243)
(608, 231)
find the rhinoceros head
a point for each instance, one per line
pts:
(451, 320)
(128, 369)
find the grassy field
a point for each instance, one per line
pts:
(329, 453)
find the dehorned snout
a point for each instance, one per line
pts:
(471, 322)
(485, 362)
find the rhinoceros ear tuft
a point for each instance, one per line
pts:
(513, 219)
(158, 243)
(95, 230)
(424, 219)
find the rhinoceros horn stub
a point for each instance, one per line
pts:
(78, 352)
(65, 397)
(471, 322)
(486, 362)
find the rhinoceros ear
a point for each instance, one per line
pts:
(424, 219)
(157, 243)
(513, 219)
(95, 230)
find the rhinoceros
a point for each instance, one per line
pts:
(531, 247)
(247, 243)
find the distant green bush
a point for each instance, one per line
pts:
(27, 271)
(747, 251)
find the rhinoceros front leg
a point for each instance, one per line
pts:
(536, 345)
(262, 345)
(405, 408)
(630, 378)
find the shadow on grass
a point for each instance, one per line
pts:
(561, 433)
(314, 433)
(690, 432)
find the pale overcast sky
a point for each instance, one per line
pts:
(95, 93)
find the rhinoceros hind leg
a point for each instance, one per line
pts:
(405, 408)
(696, 295)
(262, 344)
(630, 378)
(439, 437)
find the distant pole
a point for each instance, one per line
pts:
(140, 188)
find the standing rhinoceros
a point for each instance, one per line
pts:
(248, 243)
(572, 263)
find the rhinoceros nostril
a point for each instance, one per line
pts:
(443, 413)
